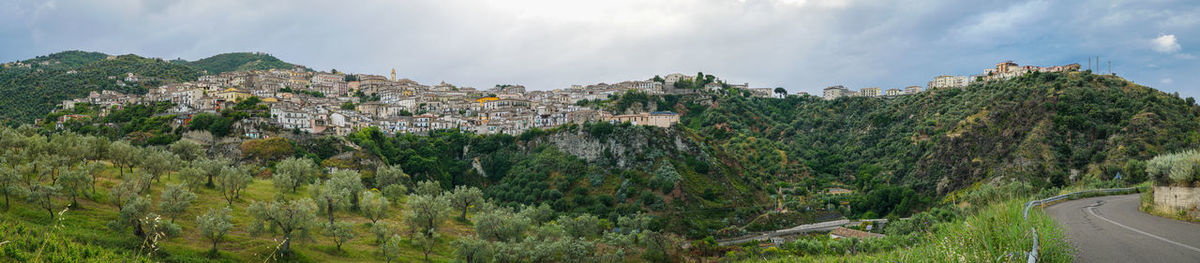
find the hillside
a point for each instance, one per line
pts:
(240, 61)
(35, 86)
(32, 91)
(1048, 129)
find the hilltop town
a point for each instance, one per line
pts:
(338, 103)
(1002, 71)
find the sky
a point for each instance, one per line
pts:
(801, 45)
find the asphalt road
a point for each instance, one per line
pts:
(1111, 229)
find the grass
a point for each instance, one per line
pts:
(997, 233)
(85, 226)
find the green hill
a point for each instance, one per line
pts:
(1048, 129)
(240, 61)
(35, 90)
(31, 92)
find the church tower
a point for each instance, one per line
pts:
(393, 74)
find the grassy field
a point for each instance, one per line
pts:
(996, 234)
(85, 225)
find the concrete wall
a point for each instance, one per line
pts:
(1176, 198)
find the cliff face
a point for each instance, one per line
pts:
(626, 147)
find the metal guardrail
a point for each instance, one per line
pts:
(1033, 252)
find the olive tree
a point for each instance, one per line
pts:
(390, 249)
(192, 177)
(9, 179)
(42, 195)
(463, 197)
(349, 181)
(374, 206)
(329, 197)
(211, 167)
(501, 224)
(214, 225)
(74, 182)
(175, 200)
(123, 154)
(231, 181)
(472, 249)
(187, 150)
(292, 219)
(339, 232)
(424, 212)
(293, 172)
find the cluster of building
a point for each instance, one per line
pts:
(839, 91)
(337, 103)
(1002, 71)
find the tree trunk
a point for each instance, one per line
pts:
(210, 182)
(329, 208)
(137, 228)
(286, 247)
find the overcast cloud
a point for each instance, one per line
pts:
(802, 45)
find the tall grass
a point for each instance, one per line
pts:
(997, 233)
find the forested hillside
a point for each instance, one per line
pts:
(1047, 129)
(31, 92)
(33, 87)
(241, 61)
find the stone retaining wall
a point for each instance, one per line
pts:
(1174, 198)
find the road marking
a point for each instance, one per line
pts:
(1092, 210)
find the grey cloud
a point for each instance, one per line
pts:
(800, 45)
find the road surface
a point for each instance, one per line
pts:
(822, 226)
(1111, 229)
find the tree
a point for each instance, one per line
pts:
(231, 181)
(390, 249)
(214, 225)
(74, 182)
(292, 219)
(123, 155)
(131, 216)
(429, 188)
(340, 232)
(374, 206)
(127, 189)
(92, 170)
(192, 176)
(8, 183)
(425, 212)
(463, 197)
(391, 175)
(211, 167)
(42, 195)
(780, 91)
(175, 200)
(583, 226)
(329, 197)
(471, 249)
(382, 231)
(267, 150)
(395, 191)
(293, 172)
(350, 182)
(538, 214)
(501, 224)
(426, 243)
(158, 162)
(187, 150)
